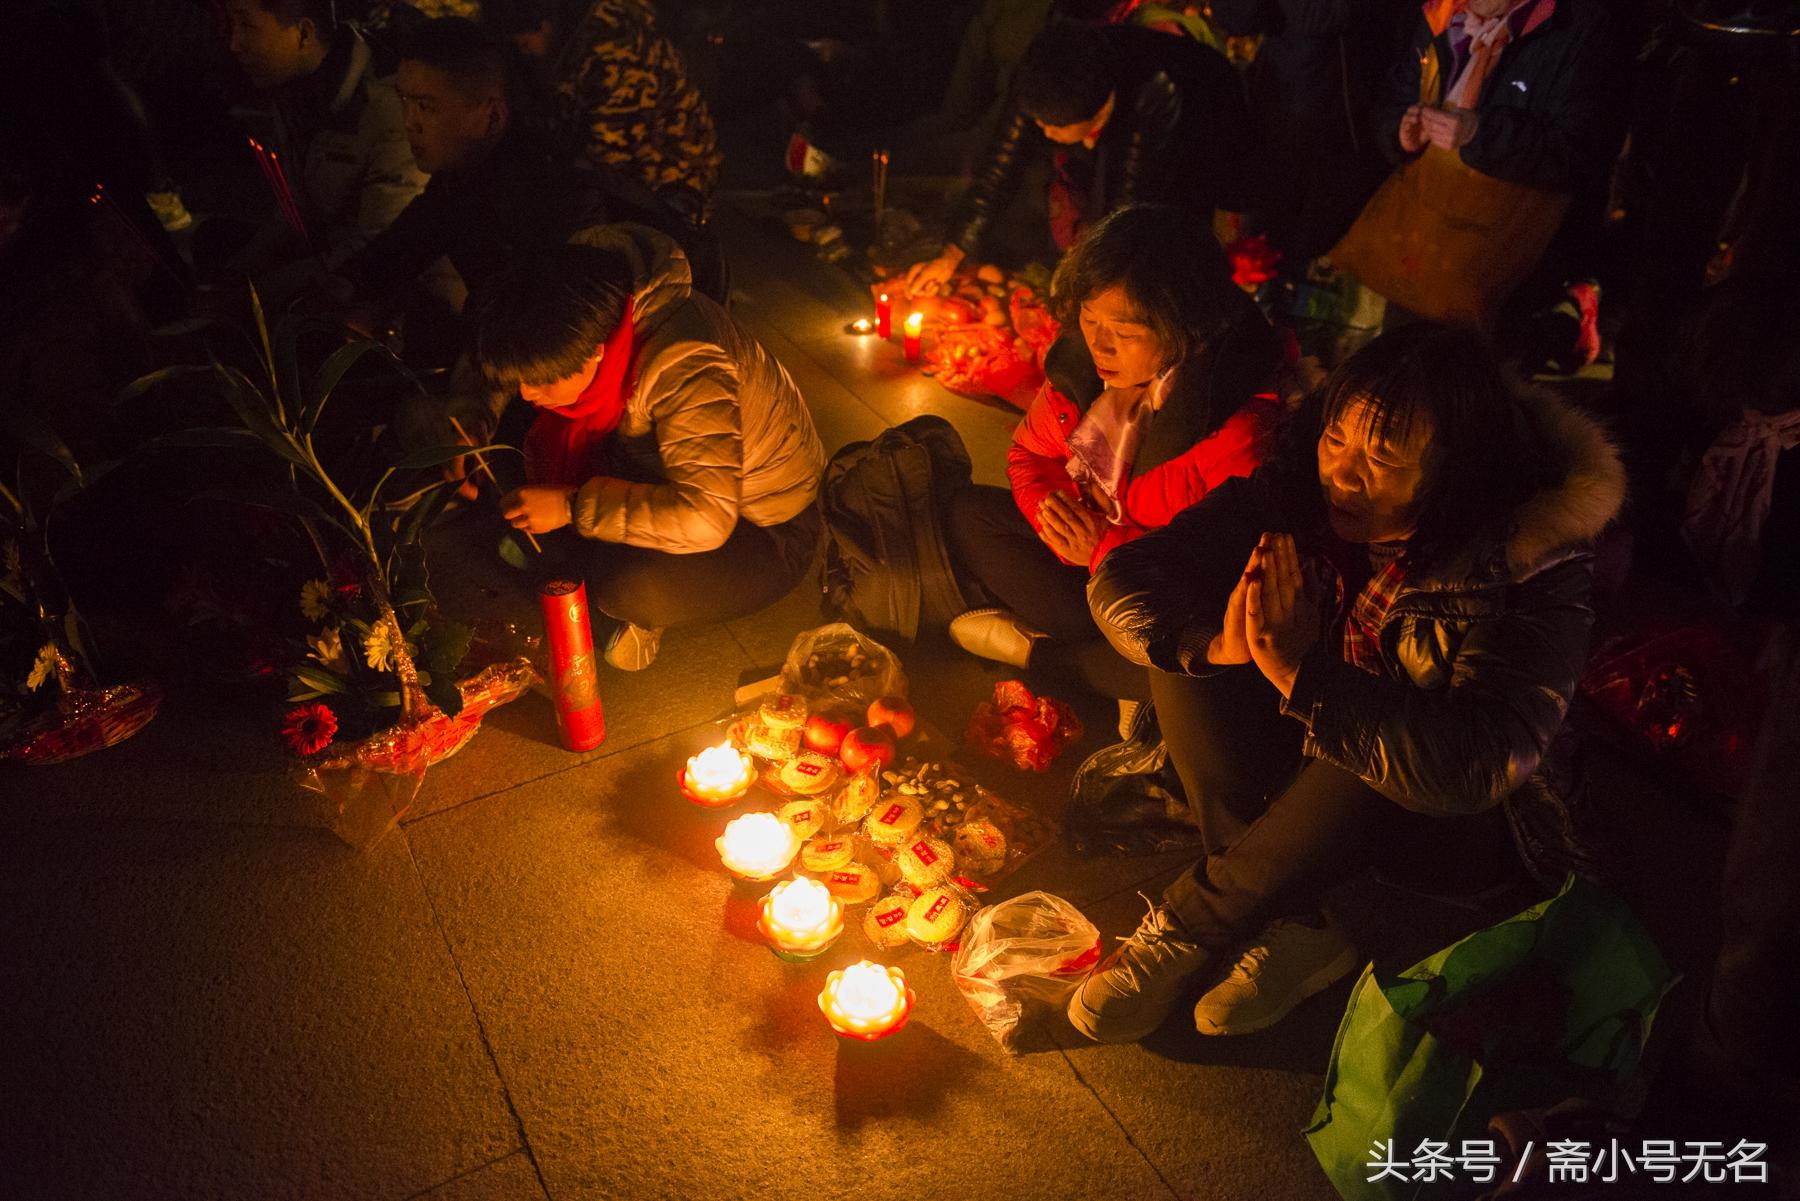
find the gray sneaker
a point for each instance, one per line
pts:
(633, 648)
(1140, 983)
(1289, 962)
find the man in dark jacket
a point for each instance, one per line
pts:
(1388, 668)
(497, 188)
(1133, 115)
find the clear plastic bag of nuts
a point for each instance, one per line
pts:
(990, 835)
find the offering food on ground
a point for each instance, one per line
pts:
(885, 923)
(893, 820)
(807, 817)
(926, 861)
(808, 774)
(828, 853)
(935, 919)
(853, 884)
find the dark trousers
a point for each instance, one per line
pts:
(1282, 829)
(994, 543)
(755, 567)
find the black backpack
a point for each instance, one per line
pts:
(887, 569)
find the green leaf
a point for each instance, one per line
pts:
(74, 629)
(31, 431)
(443, 693)
(512, 552)
(260, 418)
(178, 329)
(385, 700)
(331, 373)
(202, 438)
(317, 677)
(155, 379)
(437, 456)
(262, 332)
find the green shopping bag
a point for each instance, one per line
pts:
(1553, 1003)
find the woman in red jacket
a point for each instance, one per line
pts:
(1160, 388)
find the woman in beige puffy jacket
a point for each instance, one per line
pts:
(666, 436)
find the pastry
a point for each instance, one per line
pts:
(936, 918)
(885, 923)
(926, 861)
(806, 817)
(853, 884)
(808, 774)
(894, 819)
(827, 854)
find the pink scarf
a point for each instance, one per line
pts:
(1728, 503)
(1105, 443)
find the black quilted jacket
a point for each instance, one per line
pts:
(1180, 134)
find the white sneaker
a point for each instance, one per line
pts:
(1141, 983)
(997, 634)
(633, 648)
(1289, 962)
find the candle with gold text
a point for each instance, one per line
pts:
(757, 846)
(801, 919)
(717, 776)
(884, 316)
(866, 1000)
(912, 335)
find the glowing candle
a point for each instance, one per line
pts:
(912, 335)
(866, 1000)
(884, 317)
(860, 326)
(717, 776)
(757, 846)
(801, 919)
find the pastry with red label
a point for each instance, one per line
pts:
(827, 854)
(809, 774)
(806, 817)
(885, 923)
(926, 861)
(853, 884)
(936, 918)
(980, 846)
(894, 819)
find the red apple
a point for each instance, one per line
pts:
(866, 745)
(824, 733)
(893, 712)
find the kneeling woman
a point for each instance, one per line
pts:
(1357, 654)
(1159, 391)
(665, 434)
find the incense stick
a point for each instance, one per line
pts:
(102, 196)
(880, 158)
(492, 478)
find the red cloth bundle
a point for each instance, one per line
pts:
(1022, 729)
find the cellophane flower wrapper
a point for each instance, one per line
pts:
(368, 786)
(1022, 729)
(83, 720)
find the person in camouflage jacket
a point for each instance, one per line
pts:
(622, 94)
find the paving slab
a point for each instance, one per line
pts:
(513, 1178)
(210, 755)
(206, 1011)
(656, 1049)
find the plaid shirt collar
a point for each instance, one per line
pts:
(1362, 616)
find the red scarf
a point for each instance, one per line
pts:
(560, 445)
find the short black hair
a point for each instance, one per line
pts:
(1484, 458)
(541, 317)
(322, 13)
(474, 59)
(1170, 266)
(1066, 75)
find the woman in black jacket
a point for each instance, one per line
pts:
(1408, 583)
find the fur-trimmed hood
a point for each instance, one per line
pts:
(1562, 518)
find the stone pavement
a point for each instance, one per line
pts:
(543, 985)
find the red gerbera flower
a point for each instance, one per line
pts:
(308, 729)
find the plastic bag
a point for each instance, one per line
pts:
(1022, 729)
(837, 663)
(1027, 953)
(1126, 799)
(1555, 1002)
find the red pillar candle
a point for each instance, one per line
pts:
(913, 336)
(574, 675)
(884, 317)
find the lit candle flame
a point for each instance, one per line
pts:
(757, 845)
(801, 906)
(915, 324)
(719, 771)
(866, 1000)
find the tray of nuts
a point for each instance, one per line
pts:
(990, 835)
